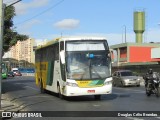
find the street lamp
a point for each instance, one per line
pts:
(125, 37)
(124, 31)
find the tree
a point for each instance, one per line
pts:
(10, 37)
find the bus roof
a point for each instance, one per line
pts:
(48, 43)
(82, 38)
(69, 39)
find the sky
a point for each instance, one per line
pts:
(49, 19)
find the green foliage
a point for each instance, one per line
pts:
(10, 37)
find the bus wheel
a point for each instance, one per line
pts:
(97, 97)
(41, 87)
(114, 84)
(59, 92)
(157, 92)
(122, 85)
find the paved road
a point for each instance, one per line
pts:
(23, 92)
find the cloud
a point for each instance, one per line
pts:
(40, 42)
(112, 38)
(67, 24)
(151, 35)
(31, 23)
(22, 8)
(26, 28)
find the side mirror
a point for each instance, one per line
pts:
(62, 56)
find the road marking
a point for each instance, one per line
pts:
(128, 93)
(131, 89)
(134, 118)
(32, 88)
(96, 105)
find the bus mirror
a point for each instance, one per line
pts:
(62, 55)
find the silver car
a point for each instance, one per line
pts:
(125, 78)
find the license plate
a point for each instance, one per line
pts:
(91, 91)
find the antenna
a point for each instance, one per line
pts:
(61, 34)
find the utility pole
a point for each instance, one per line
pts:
(1, 44)
(125, 33)
(2, 7)
(125, 37)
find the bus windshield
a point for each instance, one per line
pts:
(87, 60)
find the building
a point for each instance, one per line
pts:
(22, 51)
(136, 56)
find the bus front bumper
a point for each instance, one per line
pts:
(77, 91)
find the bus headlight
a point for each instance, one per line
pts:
(107, 82)
(71, 84)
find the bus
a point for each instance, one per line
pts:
(4, 71)
(74, 66)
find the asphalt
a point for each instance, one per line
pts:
(7, 103)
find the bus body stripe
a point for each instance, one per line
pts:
(90, 83)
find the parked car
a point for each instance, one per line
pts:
(125, 78)
(17, 73)
(4, 75)
(10, 74)
(14, 71)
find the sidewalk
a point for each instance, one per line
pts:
(7, 106)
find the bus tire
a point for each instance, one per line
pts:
(59, 92)
(122, 85)
(114, 84)
(42, 90)
(97, 97)
(138, 85)
(157, 92)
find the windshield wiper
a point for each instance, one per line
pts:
(79, 68)
(84, 73)
(97, 73)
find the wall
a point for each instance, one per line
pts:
(123, 52)
(140, 54)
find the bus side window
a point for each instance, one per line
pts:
(61, 45)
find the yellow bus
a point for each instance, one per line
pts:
(74, 66)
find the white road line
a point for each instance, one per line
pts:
(131, 89)
(134, 118)
(32, 88)
(96, 105)
(128, 92)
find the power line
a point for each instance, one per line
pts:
(41, 13)
(8, 2)
(13, 3)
